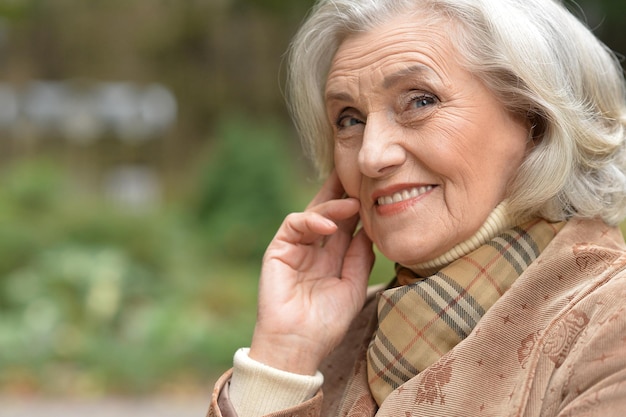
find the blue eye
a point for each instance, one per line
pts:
(347, 121)
(422, 101)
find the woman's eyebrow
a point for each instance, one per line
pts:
(338, 96)
(388, 82)
(392, 79)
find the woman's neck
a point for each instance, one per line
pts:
(498, 221)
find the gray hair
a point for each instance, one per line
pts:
(535, 56)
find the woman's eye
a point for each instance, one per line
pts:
(422, 101)
(347, 121)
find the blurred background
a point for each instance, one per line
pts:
(146, 160)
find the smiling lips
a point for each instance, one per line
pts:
(403, 195)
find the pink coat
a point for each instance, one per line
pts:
(553, 345)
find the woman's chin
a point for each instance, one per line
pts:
(402, 254)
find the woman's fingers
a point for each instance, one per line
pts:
(358, 261)
(305, 228)
(321, 220)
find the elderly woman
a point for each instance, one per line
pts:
(480, 145)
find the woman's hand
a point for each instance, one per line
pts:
(313, 283)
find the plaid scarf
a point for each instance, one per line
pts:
(423, 318)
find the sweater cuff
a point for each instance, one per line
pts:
(257, 389)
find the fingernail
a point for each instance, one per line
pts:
(329, 223)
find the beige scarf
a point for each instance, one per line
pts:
(423, 318)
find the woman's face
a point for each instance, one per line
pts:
(419, 140)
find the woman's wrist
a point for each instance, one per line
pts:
(258, 389)
(285, 356)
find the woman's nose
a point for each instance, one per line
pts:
(381, 150)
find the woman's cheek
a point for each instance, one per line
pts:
(347, 168)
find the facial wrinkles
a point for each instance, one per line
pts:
(418, 172)
(460, 142)
(448, 186)
(360, 65)
(359, 57)
(452, 125)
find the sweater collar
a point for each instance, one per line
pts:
(499, 220)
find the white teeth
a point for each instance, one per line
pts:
(404, 195)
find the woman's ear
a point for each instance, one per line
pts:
(536, 126)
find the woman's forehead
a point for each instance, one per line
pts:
(392, 51)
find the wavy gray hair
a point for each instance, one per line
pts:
(535, 56)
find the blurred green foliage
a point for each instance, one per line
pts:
(98, 299)
(247, 187)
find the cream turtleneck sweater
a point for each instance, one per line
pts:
(498, 221)
(257, 389)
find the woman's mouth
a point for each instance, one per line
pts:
(403, 195)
